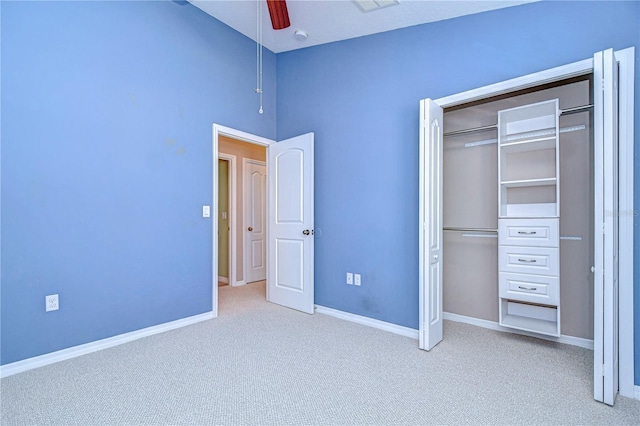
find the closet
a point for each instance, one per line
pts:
(518, 210)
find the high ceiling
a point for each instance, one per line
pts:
(326, 21)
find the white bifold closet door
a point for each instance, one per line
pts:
(430, 251)
(605, 320)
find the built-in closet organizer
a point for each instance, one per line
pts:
(528, 218)
(494, 200)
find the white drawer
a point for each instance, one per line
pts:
(530, 288)
(528, 260)
(528, 232)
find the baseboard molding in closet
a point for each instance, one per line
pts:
(492, 325)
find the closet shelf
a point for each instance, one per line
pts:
(528, 182)
(529, 210)
(529, 145)
(535, 325)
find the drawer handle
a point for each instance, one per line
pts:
(527, 232)
(527, 260)
(527, 288)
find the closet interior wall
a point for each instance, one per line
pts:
(470, 180)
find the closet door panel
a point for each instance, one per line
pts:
(471, 273)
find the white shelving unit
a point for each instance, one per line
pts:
(529, 211)
(529, 158)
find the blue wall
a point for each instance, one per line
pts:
(361, 98)
(107, 110)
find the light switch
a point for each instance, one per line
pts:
(206, 211)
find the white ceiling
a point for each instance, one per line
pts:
(326, 21)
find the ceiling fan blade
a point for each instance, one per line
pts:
(279, 14)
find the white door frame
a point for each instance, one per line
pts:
(626, 59)
(233, 260)
(245, 248)
(218, 131)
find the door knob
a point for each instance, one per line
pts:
(306, 232)
(250, 229)
(435, 257)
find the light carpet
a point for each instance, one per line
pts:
(259, 363)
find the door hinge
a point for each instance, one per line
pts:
(602, 370)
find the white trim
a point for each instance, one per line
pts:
(219, 130)
(536, 79)
(492, 325)
(245, 213)
(98, 345)
(222, 279)
(626, 59)
(636, 394)
(239, 283)
(370, 322)
(231, 215)
(240, 135)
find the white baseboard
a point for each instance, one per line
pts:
(238, 283)
(223, 279)
(75, 351)
(414, 334)
(492, 325)
(381, 325)
(637, 393)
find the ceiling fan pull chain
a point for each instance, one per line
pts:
(258, 89)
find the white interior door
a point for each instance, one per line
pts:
(605, 336)
(254, 189)
(290, 218)
(430, 275)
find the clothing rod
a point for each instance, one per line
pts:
(567, 111)
(571, 237)
(450, 228)
(478, 235)
(575, 110)
(473, 130)
(492, 141)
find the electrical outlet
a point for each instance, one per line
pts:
(357, 279)
(51, 303)
(349, 278)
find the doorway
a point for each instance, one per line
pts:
(289, 219)
(239, 211)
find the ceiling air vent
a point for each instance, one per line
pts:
(369, 5)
